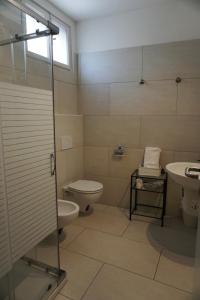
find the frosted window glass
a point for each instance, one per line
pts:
(61, 44)
(39, 45)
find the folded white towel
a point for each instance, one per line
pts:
(152, 157)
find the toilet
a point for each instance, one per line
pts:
(67, 212)
(85, 193)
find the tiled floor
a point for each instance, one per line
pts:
(109, 258)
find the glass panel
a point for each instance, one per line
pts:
(61, 44)
(39, 270)
(197, 264)
(37, 46)
(4, 288)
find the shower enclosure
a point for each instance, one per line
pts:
(29, 252)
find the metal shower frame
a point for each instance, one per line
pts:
(52, 29)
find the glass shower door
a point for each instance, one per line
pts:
(28, 170)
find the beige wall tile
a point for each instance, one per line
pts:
(167, 61)
(115, 190)
(94, 99)
(124, 130)
(189, 97)
(60, 194)
(104, 131)
(39, 81)
(69, 165)
(96, 161)
(5, 56)
(5, 74)
(166, 157)
(173, 133)
(186, 156)
(96, 130)
(122, 167)
(38, 67)
(65, 98)
(69, 125)
(110, 66)
(64, 75)
(154, 97)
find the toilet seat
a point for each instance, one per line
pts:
(86, 186)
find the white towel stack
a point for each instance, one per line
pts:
(152, 157)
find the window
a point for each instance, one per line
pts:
(40, 46)
(61, 46)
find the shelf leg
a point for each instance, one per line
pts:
(131, 194)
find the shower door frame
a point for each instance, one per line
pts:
(50, 31)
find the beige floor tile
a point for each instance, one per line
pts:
(99, 207)
(61, 297)
(141, 232)
(104, 222)
(176, 270)
(130, 255)
(115, 284)
(80, 272)
(70, 233)
(116, 211)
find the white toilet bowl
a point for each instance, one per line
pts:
(67, 212)
(85, 193)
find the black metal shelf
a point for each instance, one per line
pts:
(145, 190)
(158, 186)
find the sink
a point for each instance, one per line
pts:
(177, 172)
(191, 186)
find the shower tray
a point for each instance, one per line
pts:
(33, 280)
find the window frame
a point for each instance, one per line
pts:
(68, 42)
(37, 56)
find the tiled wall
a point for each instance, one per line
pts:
(68, 122)
(159, 113)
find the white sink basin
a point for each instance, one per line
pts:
(177, 173)
(191, 186)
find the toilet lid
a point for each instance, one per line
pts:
(86, 186)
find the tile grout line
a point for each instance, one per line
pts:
(89, 257)
(122, 234)
(103, 263)
(161, 252)
(174, 287)
(126, 270)
(92, 281)
(107, 263)
(67, 297)
(104, 232)
(135, 81)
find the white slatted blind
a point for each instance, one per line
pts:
(5, 259)
(28, 141)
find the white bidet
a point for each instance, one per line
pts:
(67, 212)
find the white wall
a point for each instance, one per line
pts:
(159, 24)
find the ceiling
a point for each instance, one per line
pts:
(86, 9)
